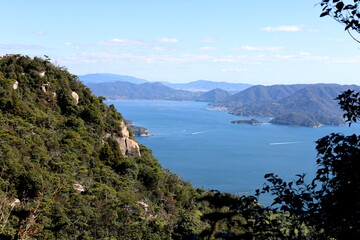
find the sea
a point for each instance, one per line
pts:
(203, 147)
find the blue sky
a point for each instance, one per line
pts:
(257, 42)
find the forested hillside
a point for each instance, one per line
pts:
(71, 169)
(151, 91)
(127, 90)
(305, 105)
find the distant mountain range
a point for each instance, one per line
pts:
(200, 85)
(305, 105)
(204, 85)
(299, 104)
(108, 77)
(126, 90)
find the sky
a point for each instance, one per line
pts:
(255, 42)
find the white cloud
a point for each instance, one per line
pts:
(68, 44)
(313, 30)
(208, 40)
(235, 70)
(259, 48)
(40, 32)
(20, 47)
(284, 28)
(168, 40)
(118, 42)
(336, 39)
(302, 56)
(207, 48)
(121, 41)
(124, 56)
(346, 60)
(159, 48)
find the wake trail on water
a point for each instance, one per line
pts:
(284, 143)
(195, 133)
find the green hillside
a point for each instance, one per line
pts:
(65, 172)
(127, 90)
(71, 169)
(304, 105)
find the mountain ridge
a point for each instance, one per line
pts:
(153, 90)
(310, 105)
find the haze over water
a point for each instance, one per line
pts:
(203, 147)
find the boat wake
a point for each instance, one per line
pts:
(195, 133)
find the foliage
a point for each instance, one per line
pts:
(350, 103)
(243, 218)
(63, 177)
(330, 202)
(63, 174)
(344, 13)
(347, 14)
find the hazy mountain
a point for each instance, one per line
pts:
(214, 95)
(260, 93)
(204, 85)
(108, 77)
(307, 105)
(126, 90)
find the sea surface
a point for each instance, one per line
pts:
(202, 146)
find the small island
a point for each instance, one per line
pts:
(138, 131)
(252, 121)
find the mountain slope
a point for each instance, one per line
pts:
(204, 85)
(214, 95)
(70, 168)
(126, 90)
(260, 94)
(309, 105)
(108, 77)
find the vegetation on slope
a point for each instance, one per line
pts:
(304, 105)
(65, 175)
(62, 178)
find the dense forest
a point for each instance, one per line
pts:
(71, 169)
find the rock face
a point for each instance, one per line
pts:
(16, 85)
(78, 187)
(75, 96)
(128, 146)
(45, 87)
(42, 74)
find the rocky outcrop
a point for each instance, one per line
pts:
(45, 87)
(78, 187)
(75, 96)
(16, 85)
(128, 147)
(42, 74)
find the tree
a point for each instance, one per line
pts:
(330, 202)
(350, 103)
(347, 14)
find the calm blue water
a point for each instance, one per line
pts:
(203, 147)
